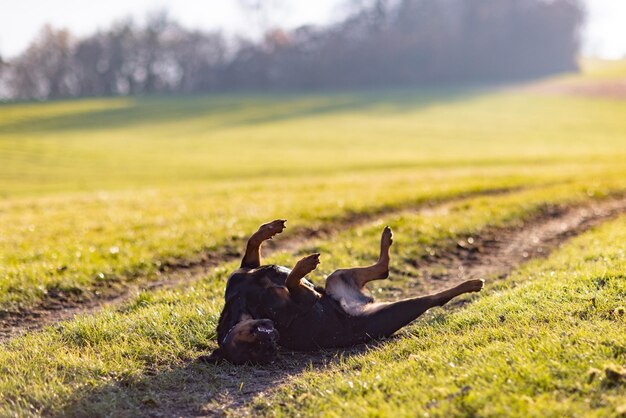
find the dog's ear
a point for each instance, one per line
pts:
(215, 357)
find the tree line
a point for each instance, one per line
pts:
(379, 43)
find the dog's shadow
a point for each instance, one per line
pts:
(200, 389)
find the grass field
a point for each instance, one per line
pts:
(102, 194)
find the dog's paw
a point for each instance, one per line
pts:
(473, 285)
(387, 237)
(308, 263)
(270, 229)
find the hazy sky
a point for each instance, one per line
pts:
(20, 20)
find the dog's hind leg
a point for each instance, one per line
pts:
(347, 284)
(377, 271)
(382, 320)
(252, 257)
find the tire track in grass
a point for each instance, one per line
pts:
(494, 254)
(178, 272)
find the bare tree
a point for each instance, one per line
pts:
(380, 42)
(4, 90)
(43, 70)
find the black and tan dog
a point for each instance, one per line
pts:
(270, 305)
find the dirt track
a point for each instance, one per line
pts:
(612, 89)
(496, 253)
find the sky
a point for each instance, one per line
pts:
(20, 20)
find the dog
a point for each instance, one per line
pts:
(267, 306)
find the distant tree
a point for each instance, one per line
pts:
(379, 42)
(198, 60)
(43, 70)
(4, 93)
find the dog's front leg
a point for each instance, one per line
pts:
(301, 292)
(252, 257)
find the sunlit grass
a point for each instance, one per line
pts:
(603, 69)
(113, 360)
(157, 142)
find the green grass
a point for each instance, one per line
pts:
(99, 193)
(111, 362)
(130, 143)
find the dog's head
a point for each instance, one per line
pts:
(249, 341)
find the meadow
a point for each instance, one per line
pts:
(98, 196)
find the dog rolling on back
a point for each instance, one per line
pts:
(270, 306)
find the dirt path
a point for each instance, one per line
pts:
(494, 255)
(497, 252)
(178, 272)
(608, 89)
